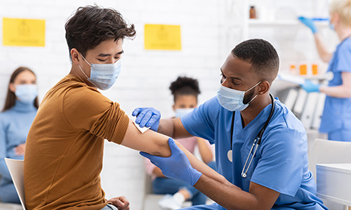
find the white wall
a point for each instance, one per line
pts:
(146, 75)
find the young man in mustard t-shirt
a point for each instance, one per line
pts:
(64, 147)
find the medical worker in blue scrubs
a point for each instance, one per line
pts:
(336, 119)
(270, 175)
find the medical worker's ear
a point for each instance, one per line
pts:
(263, 87)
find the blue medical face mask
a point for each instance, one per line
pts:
(103, 76)
(331, 26)
(182, 112)
(233, 100)
(26, 93)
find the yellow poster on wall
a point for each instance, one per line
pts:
(23, 32)
(162, 37)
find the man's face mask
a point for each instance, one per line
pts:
(103, 76)
(233, 100)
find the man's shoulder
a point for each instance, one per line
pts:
(71, 85)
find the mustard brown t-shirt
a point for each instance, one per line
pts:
(64, 148)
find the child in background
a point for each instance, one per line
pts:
(15, 120)
(185, 91)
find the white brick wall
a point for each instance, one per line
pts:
(146, 75)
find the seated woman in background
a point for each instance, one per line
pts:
(15, 120)
(185, 91)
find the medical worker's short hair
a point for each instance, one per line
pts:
(261, 55)
(343, 8)
(91, 25)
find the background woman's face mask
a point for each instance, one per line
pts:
(103, 76)
(233, 100)
(26, 93)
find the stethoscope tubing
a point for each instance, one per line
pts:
(257, 140)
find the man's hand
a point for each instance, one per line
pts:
(177, 166)
(19, 150)
(120, 202)
(148, 117)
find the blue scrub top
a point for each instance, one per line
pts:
(280, 163)
(337, 111)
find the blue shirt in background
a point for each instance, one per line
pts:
(337, 111)
(14, 127)
(280, 163)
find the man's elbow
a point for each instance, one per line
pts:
(162, 151)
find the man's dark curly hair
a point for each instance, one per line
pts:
(91, 25)
(261, 55)
(184, 86)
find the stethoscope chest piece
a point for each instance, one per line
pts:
(230, 155)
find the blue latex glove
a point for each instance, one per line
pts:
(177, 166)
(310, 87)
(148, 117)
(309, 23)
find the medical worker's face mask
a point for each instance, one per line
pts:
(103, 76)
(233, 100)
(331, 26)
(182, 112)
(26, 93)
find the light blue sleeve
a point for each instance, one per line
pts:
(344, 57)
(201, 121)
(3, 152)
(281, 165)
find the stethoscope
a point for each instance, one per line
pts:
(255, 144)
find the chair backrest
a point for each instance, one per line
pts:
(16, 170)
(327, 151)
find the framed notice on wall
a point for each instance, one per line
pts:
(23, 32)
(162, 37)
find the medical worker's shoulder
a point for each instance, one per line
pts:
(210, 108)
(284, 119)
(344, 49)
(285, 132)
(345, 46)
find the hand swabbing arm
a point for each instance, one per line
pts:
(149, 141)
(150, 117)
